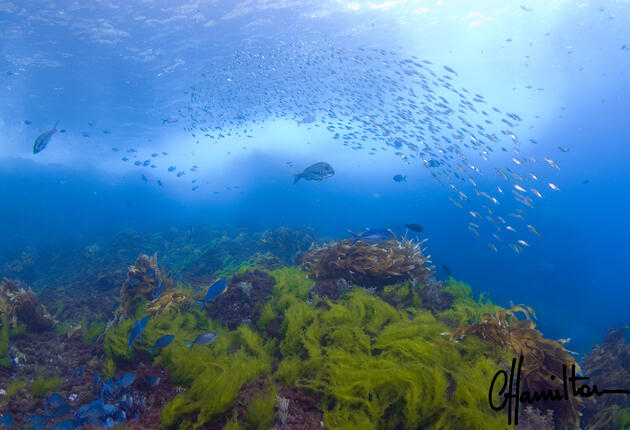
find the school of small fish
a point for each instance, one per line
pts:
(373, 100)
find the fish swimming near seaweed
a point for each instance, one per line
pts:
(213, 292)
(162, 342)
(136, 331)
(43, 139)
(203, 339)
(317, 172)
(157, 293)
(374, 235)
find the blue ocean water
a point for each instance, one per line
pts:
(251, 92)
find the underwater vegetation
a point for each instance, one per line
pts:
(144, 281)
(353, 344)
(20, 306)
(364, 362)
(368, 265)
(608, 365)
(544, 357)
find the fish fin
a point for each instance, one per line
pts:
(55, 126)
(202, 303)
(191, 343)
(150, 348)
(296, 177)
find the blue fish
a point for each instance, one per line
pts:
(203, 339)
(155, 294)
(374, 235)
(162, 342)
(8, 421)
(61, 411)
(67, 425)
(136, 331)
(400, 178)
(54, 401)
(43, 139)
(152, 381)
(213, 292)
(38, 422)
(126, 380)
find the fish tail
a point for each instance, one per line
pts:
(150, 348)
(191, 343)
(55, 126)
(405, 178)
(355, 237)
(202, 303)
(296, 177)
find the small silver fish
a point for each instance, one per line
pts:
(43, 139)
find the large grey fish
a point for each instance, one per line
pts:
(374, 235)
(203, 339)
(43, 139)
(317, 172)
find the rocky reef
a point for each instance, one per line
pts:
(608, 366)
(20, 305)
(368, 265)
(143, 278)
(356, 336)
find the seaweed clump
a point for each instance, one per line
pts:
(143, 278)
(243, 298)
(544, 358)
(368, 265)
(20, 305)
(608, 365)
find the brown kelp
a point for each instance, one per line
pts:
(544, 358)
(608, 366)
(143, 278)
(368, 265)
(20, 305)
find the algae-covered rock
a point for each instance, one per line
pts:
(20, 305)
(143, 278)
(170, 301)
(243, 299)
(368, 265)
(608, 366)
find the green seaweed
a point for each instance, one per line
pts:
(232, 423)
(117, 339)
(16, 386)
(370, 361)
(93, 331)
(623, 422)
(5, 359)
(260, 410)
(59, 310)
(215, 373)
(465, 310)
(43, 385)
(62, 328)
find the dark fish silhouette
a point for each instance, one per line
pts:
(43, 139)
(317, 172)
(400, 178)
(415, 227)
